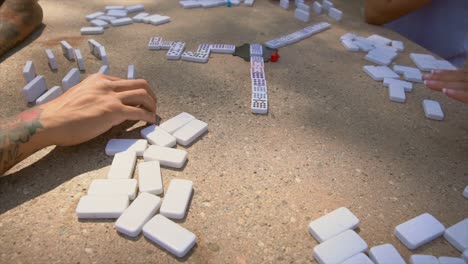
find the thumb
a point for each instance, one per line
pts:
(459, 95)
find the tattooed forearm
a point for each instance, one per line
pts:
(14, 133)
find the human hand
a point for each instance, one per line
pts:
(94, 106)
(452, 83)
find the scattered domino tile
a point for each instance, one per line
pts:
(189, 4)
(360, 258)
(451, 260)
(138, 18)
(284, 4)
(114, 7)
(424, 62)
(195, 57)
(99, 23)
(364, 44)
(176, 199)
(106, 18)
(335, 14)
(131, 72)
(176, 122)
(432, 110)
(158, 136)
(465, 255)
(385, 254)
(169, 235)
(123, 165)
(67, 50)
(50, 95)
(372, 57)
(101, 206)
(29, 72)
(147, 19)
(423, 259)
(149, 177)
(317, 7)
(166, 44)
(398, 45)
(333, 224)
(51, 59)
(379, 40)
(465, 192)
(419, 231)
(406, 85)
(379, 73)
(191, 131)
(71, 79)
(413, 76)
(104, 69)
(249, 2)
(339, 248)
(94, 16)
(396, 93)
(349, 45)
(457, 235)
(302, 15)
(400, 69)
(135, 8)
(349, 36)
(222, 48)
(444, 65)
(326, 5)
(153, 43)
(118, 145)
(34, 89)
(138, 214)
(298, 35)
(170, 157)
(94, 48)
(121, 21)
(175, 51)
(103, 55)
(117, 13)
(303, 7)
(111, 187)
(79, 60)
(92, 30)
(159, 20)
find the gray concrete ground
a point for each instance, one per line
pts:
(332, 138)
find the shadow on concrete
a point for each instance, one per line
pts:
(34, 35)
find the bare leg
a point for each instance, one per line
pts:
(18, 19)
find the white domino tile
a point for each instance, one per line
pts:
(94, 48)
(399, 45)
(396, 93)
(176, 122)
(117, 13)
(256, 49)
(333, 224)
(114, 7)
(103, 55)
(222, 48)
(364, 44)
(104, 69)
(51, 59)
(165, 44)
(335, 14)
(380, 40)
(118, 145)
(153, 43)
(302, 15)
(99, 23)
(158, 136)
(465, 192)
(170, 157)
(149, 177)
(159, 20)
(139, 17)
(195, 57)
(169, 235)
(67, 50)
(190, 132)
(303, 7)
(444, 65)
(424, 62)
(379, 73)
(50, 95)
(177, 199)
(259, 106)
(385, 254)
(419, 231)
(360, 258)
(400, 69)
(297, 36)
(457, 235)
(423, 259)
(378, 59)
(111, 187)
(326, 5)
(451, 260)
(175, 51)
(131, 72)
(135, 8)
(147, 19)
(121, 21)
(141, 210)
(432, 110)
(190, 4)
(92, 30)
(71, 79)
(349, 45)
(29, 71)
(317, 7)
(34, 89)
(406, 85)
(465, 254)
(79, 60)
(102, 206)
(284, 4)
(413, 76)
(339, 248)
(106, 18)
(249, 2)
(123, 165)
(94, 16)
(349, 36)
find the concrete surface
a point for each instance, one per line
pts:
(332, 138)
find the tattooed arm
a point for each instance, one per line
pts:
(85, 111)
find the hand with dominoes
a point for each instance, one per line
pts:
(83, 112)
(453, 83)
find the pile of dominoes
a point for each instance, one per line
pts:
(175, 50)
(213, 3)
(118, 16)
(302, 11)
(339, 243)
(110, 198)
(382, 51)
